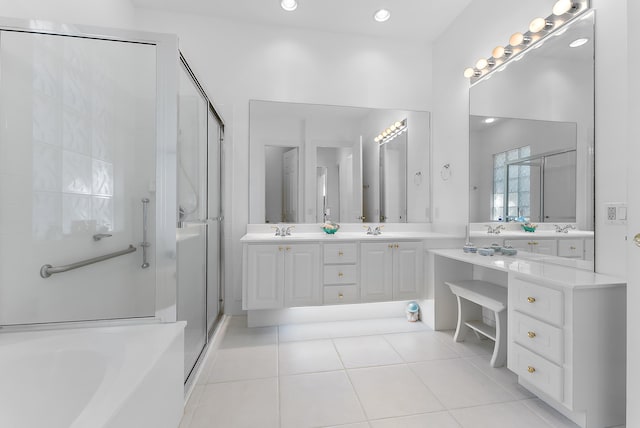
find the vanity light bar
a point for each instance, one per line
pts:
(391, 132)
(564, 12)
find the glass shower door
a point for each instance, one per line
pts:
(77, 156)
(192, 213)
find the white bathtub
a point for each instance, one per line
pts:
(111, 377)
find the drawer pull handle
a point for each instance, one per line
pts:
(288, 248)
(396, 246)
(340, 295)
(279, 248)
(572, 248)
(390, 245)
(340, 274)
(531, 369)
(531, 334)
(340, 253)
(531, 299)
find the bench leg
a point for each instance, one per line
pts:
(467, 311)
(499, 357)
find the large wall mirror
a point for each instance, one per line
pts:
(531, 136)
(310, 163)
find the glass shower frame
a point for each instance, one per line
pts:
(212, 220)
(166, 141)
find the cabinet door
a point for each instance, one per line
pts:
(302, 285)
(265, 279)
(376, 271)
(407, 270)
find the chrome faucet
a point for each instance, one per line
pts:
(374, 231)
(282, 230)
(564, 229)
(495, 230)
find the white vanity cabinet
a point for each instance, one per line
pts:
(390, 270)
(567, 344)
(288, 272)
(282, 275)
(566, 329)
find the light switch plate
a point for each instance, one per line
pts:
(615, 213)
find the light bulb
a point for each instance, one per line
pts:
(289, 5)
(519, 39)
(382, 15)
(516, 39)
(398, 124)
(376, 139)
(562, 6)
(393, 127)
(469, 73)
(380, 137)
(482, 63)
(498, 52)
(388, 131)
(538, 25)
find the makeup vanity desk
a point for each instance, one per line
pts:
(566, 328)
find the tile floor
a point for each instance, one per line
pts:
(358, 374)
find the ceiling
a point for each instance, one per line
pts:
(418, 20)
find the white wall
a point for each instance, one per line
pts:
(462, 44)
(104, 13)
(236, 62)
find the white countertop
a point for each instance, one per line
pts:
(345, 236)
(538, 266)
(538, 234)
(312, 232)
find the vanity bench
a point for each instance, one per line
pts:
(566, 328)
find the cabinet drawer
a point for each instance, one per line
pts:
(340, 253)
(340, 274)
(538, 336)
(571, 248)
(536, 300)
(538, 371)
(339, 294)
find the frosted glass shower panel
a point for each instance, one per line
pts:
(192, 151)
(77, 155)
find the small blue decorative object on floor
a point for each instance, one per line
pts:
(413, 312)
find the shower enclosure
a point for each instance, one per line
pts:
(110, 188)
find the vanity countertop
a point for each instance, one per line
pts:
(345, 236)
(548, 268)
(541, 234)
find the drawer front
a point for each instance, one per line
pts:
(340, 274)
(538, 371)
(538, 336)
(571, 248)
(341, 253)
(536, 300)
(339, 294)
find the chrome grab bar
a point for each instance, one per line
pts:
(47, 270)
(145, 244)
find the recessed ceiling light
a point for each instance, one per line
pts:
(578, 42)
(382, 15)
(490, 120)
(289, 5)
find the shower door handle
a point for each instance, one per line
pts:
(145, 244)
